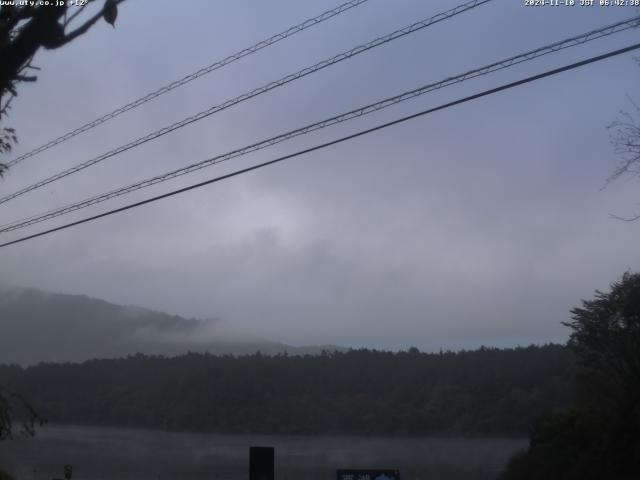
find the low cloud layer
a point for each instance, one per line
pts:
(40, 326)
(482, 224)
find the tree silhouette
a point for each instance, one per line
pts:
(599, 437)
(486, 391)
(24, 29)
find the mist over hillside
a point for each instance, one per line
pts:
(39, 326)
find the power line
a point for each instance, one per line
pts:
(192, 76)
(502, 64)
(333, 142)
(258, 91)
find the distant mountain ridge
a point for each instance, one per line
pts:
(40, 326)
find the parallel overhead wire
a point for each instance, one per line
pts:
(258, 91)
(333, 142)
(365, 110)
(192, 76)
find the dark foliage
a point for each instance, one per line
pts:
(487, 391)
(15, 409)
(600, 437)
(4, 475)
(25, 29)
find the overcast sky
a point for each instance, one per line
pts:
(480, 225)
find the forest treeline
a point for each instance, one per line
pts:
(484, 392)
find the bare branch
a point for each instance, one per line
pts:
(26, 78)
(7, 105)
(625, 219)
(625, 138)
(15, 406)
(78, 12)
(86, 25)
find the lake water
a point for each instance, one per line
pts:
(128, 454)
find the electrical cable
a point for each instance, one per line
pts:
(333, 142)
(192, 76)
(253, 93)
(502, 64)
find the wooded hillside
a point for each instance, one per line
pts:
(487, 391)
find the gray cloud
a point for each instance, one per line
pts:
(482, 224)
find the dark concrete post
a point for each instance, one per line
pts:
(261, 464)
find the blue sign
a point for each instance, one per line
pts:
(367, 474)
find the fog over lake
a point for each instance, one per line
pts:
(482, 224)
(127, 454)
